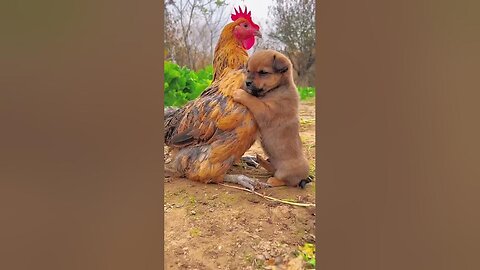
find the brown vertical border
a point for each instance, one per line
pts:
(80, 135)
(318, 87)
(397, 135)
(162, 128)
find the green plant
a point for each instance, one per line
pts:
(182, 84)
(306, 92)
(194, 232)
(308, 253)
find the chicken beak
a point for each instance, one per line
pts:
(257, 34)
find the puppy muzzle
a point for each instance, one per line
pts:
(252, 90)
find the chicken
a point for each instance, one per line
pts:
(237, 37)
(209, 134)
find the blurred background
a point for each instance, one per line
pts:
(192, 28)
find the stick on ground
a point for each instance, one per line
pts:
(270, 198)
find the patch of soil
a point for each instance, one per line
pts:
(209, 226)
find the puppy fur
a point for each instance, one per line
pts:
(270, 94)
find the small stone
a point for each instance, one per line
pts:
(193, 212)
(278, 260)
(260, 257)
(266, 255)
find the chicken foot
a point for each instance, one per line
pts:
(245, 181)
(250, 161)
(256, 161)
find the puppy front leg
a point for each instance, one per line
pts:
(254, 105)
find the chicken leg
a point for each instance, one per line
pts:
(256, 161)
(245, 181)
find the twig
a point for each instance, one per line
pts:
(270, 198)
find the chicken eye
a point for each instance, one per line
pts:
(245, 25)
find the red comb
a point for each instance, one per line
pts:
(244, 14)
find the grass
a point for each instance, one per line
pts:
(306, 122)
(308, 254)
(306, 92)
(194, 232)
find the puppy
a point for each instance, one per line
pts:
(271, 96)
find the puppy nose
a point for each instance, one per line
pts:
(248, 83)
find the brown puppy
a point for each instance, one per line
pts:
(271, 95)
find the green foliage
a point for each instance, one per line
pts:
(308, 253)
(306, 92)
(182, 84)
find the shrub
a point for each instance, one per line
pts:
(306, 92)
(182, 84)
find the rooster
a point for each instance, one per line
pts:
(211, 133)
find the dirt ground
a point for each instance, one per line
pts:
(217, 227)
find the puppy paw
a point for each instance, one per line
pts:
(239, 94)
(275, 182)
(305, 181)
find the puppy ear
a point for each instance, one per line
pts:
(280, 64)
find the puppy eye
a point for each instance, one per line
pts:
(262, 72)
